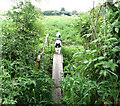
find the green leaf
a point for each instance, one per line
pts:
(112, 39)
(104, 26)
(98, 64)
(103, 72)
(117, 30)
(110, 65)
(101, 58)
(116, 49)
(87, 35)
(105, 46)
(93, 51)
(112, 73)
(86, 61)
(95, 59)
(95, 40)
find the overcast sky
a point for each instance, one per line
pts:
(69, 5)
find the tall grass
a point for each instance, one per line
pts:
(64, 25)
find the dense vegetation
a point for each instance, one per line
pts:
(91, 50)
(95, 70)
(21, 82)
(59, 13)
(55, 12)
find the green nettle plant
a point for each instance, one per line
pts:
(21, 83)
(96, 68)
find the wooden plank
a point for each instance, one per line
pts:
(56, 93)
(57, 75)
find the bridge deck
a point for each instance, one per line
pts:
(57, 75)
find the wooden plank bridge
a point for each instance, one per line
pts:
(57, 75)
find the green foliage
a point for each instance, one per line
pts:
(49, 12)
(21, 83)
(64, 25)
(78, 89)
(65, 13)
(94, 71)
(81, 90)
(70, 39)
(62, 9)
(90, 51)
(74, 12)
(30, 89)
(55, 12)
(68, 52)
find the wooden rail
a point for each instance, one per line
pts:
(37, 65)
(46, 39)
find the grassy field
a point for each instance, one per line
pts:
(64, 25)
(71, 41)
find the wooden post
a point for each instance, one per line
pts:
(37, 65)
(57, 75)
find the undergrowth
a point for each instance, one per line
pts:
(94, 73)
(91, 54)
(21, 82)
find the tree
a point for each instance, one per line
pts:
(74, 12)
(62, 9)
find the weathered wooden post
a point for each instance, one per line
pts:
(37, 65)
(57, 75)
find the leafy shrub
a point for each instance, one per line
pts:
(94, 78)
(21, 83)
(55, 12)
